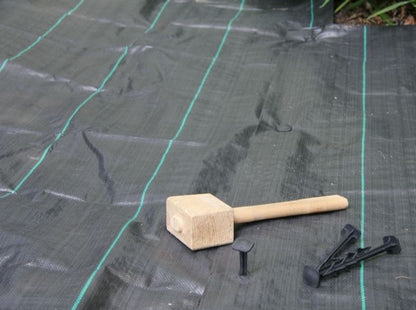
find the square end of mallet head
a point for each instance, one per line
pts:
(200, 221)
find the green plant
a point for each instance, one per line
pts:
(392, 7)
(376, 7)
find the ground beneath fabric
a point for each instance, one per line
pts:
(405, 15)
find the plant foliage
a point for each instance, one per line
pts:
(380, 9)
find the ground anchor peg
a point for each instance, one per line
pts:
(243, 246)
(334, 263)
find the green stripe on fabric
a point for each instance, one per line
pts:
(160, 164)
(157, 16)
(67, 123)
(60, 134)
(3, 64)
(312, 15)
(23, 180)
(38, 39)
(362, 287)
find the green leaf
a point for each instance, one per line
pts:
(386, 19)
(325, 3)
(390, 8)
(339, 8)
(356, 4)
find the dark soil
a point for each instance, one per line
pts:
(405, 15)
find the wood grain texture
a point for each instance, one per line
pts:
(201, 221)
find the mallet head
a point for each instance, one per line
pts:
(200, 221)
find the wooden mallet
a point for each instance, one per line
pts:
(202, 220)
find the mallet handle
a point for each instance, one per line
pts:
(289, 208)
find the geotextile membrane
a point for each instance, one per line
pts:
(110, 107)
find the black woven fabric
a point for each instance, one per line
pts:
(110, 107)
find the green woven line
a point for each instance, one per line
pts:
(59, 21)
(208, 70)
(362, 287)
(26, 49)
(3, 64)
(312, 15)
(68, 122)
(155, 173)
(23, 180)
(157, 16)
(6, 195)
(120, 233)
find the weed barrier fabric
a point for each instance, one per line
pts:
(109, 107)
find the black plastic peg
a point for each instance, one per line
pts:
(336, 262)
(243, 246)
